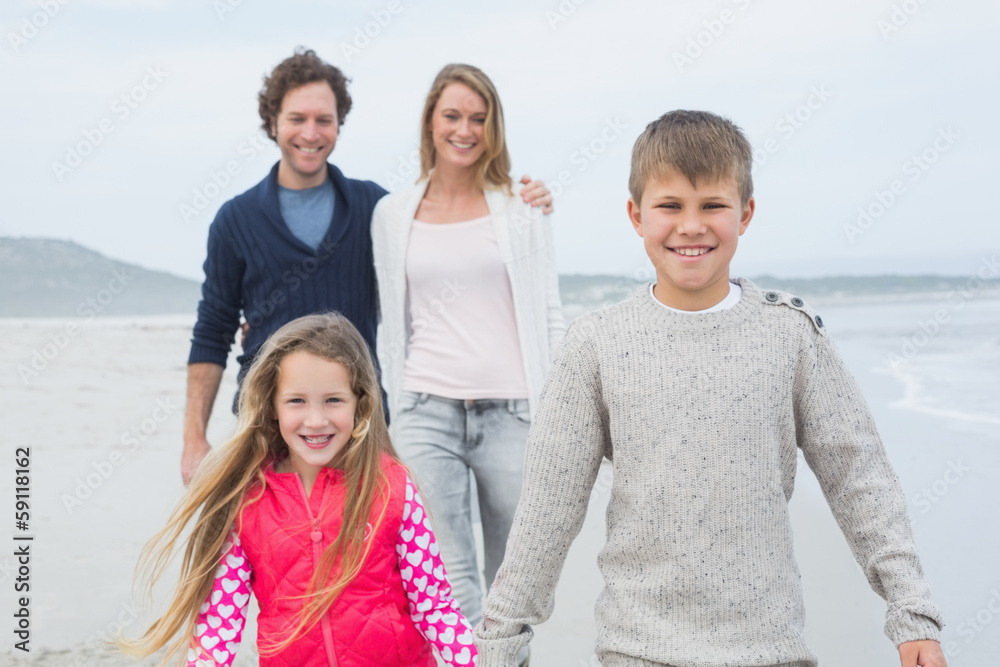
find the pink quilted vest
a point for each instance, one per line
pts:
(284, 535)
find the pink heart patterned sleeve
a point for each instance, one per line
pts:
(433, 610)
(435, 613)
(219, 627)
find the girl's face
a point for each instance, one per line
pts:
(457, 126)
(315, 407)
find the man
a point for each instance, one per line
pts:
(296, 243)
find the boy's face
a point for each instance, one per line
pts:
(690, 234)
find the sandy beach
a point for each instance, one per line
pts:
(102, 414)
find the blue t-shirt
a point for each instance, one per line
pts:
(308, 213)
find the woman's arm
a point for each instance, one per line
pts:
(219, 627)
(435, 613)
(553, 302)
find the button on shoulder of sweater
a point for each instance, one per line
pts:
(778, 298)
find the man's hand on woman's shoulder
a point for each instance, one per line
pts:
(536, 194)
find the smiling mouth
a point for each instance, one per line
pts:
(461, 146)
(691, 252)
(317, 441)
(307, 150)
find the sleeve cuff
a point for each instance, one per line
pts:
(914, 625)
(204, 354)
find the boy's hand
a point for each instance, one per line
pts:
(536, 194)
(926, 653)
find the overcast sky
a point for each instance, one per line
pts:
(838, 98)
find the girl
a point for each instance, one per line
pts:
(470, 308)
(309, 507)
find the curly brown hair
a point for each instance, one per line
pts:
(302, 68)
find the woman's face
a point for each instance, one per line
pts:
(457, 126)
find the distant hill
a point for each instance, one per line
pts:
(55, 278)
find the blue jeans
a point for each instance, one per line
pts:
(441, 440)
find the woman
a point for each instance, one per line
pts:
(469, 299)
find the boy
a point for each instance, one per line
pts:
(701, 391)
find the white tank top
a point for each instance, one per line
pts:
(464, 342)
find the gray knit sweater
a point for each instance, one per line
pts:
(702, 416)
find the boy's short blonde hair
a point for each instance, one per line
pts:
(697, 144)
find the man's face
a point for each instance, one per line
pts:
(306, 132)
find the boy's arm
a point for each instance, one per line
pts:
(841, 444)
(567, 442)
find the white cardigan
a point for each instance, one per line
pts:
(527, 250)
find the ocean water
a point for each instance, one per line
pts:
(930, 370)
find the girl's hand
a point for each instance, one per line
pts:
(536, 194)
(925, 653)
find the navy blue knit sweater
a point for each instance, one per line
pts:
(256, 265)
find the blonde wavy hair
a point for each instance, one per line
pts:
(232, 477)
(493, 167)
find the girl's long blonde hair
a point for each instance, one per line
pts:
(222, 484)
(493, 167)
